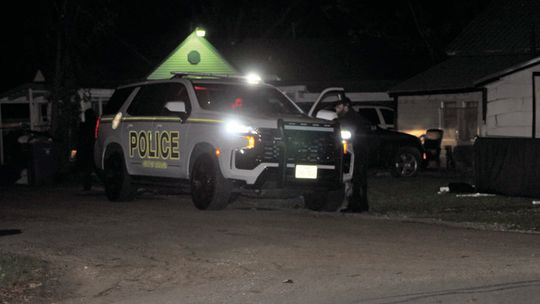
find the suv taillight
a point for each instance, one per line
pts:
(96, 130)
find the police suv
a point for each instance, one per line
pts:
(221, 136)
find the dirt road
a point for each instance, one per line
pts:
(162, 250)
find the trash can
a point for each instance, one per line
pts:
(43, 163)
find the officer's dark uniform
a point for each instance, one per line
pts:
(352, 121)
(85, 148)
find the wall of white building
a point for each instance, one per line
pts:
(300, 94)
(418, 113)
(509, 105)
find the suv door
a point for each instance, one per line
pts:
(326, 100)
(172, 133)
(138, 136)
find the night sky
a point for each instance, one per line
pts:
(105, 41)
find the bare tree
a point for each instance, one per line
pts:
(422, 32)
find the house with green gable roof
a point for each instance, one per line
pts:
(195, 55)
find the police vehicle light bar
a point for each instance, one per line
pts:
(250, 78)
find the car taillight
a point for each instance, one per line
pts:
(96, 130)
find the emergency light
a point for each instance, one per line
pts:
(200, 32)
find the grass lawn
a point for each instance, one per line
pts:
(417, 198)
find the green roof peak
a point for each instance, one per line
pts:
(195, 55)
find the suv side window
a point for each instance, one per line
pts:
(388, 116)
(175, 92)
(151, 99)
(370, 114)
(148, 101)
(117, 100)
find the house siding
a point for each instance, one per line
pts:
(509, 105)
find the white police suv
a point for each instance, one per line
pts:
(222, 136)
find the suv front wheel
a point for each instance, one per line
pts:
(209, 189)
(406, 162)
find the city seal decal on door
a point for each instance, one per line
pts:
(154, 145)
(154, 164)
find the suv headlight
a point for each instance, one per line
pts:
(235, 127)
(346, 134)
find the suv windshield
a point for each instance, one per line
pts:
(243, 98)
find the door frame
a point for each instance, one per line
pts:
(534, 107)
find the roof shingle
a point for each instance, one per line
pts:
(458, 73)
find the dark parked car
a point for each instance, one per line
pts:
(401, 153)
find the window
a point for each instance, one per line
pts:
(117, 100)
(44, 112)
(469, 128)
(151, 99)
(148, 101)
(388, 115)
(305, 106)
(176, 92)
(450, 117)
(243, 98)
(460, 121)
(370, 114)
(329, 101)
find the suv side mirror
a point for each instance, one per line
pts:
(326, 115)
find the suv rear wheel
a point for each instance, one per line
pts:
(329, 201)
(209, 189)
(117, 181)
(406, 162)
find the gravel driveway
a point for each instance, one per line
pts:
(160, 249)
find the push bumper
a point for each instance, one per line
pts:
(281, 174)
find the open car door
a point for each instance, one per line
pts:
(323, 107)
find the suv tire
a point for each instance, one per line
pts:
(118, 186)
(406, 162)
(209, 189)
(329, 201)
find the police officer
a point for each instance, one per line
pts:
(358, 126)
(85, 148)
